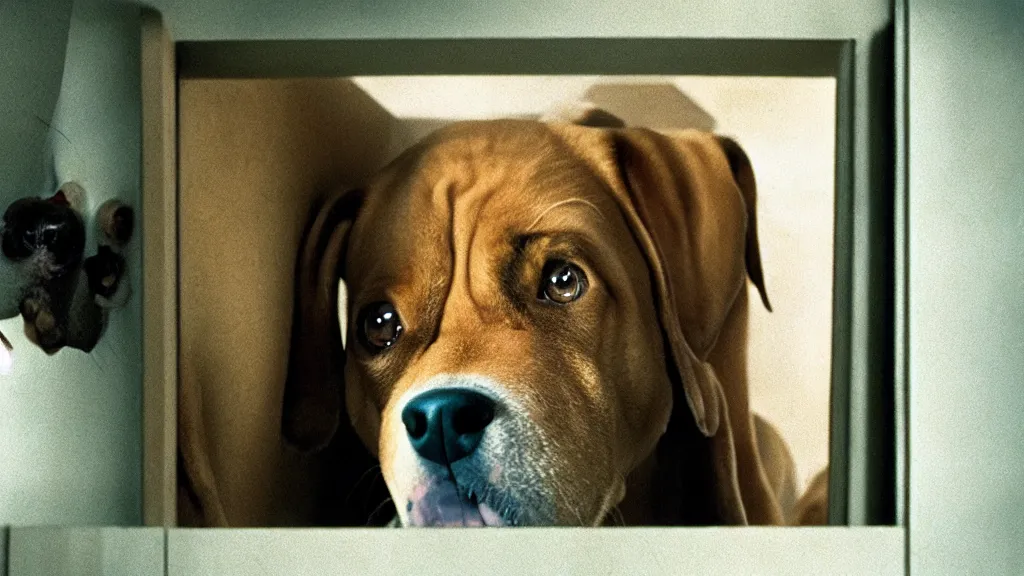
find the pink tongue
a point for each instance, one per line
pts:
(489, 516)
(440, 505)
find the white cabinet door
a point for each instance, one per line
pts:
(536, 551)
(55, 551)
(71, 422)
(966, 206)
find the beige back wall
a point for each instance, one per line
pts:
(253, 153)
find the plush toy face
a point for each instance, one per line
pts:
(61, 293)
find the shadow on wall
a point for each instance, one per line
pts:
(656, 106)
(303, 137)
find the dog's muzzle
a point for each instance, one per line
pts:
(465, 454)
(444, 427)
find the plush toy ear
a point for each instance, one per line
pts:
(313, 392)
(690, 218)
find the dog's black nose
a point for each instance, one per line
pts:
(446, 425)
(33, 224)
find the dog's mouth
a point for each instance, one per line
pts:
(443, 503)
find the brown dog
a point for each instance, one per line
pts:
(545, 325)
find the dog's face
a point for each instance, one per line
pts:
(505, 356)
(501, 336)
(60, 293)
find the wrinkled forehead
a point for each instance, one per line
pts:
(479, 189)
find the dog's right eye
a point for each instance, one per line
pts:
(379, 326)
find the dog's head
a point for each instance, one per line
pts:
(524, 304)
(61, 294)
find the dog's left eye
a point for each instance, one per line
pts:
(379, 326)
(562, 282)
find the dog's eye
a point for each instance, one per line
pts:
(379, 326)
(562, 282)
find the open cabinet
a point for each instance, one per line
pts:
(241, 129)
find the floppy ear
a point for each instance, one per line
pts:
(743, 173)
(691, 220)
(313, 391)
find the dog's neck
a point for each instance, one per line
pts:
(638, 506)
(675, 485)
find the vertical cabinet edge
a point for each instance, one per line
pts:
(160, 272)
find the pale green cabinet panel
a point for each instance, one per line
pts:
(875, 551)
(71, 422)
(54, 551)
